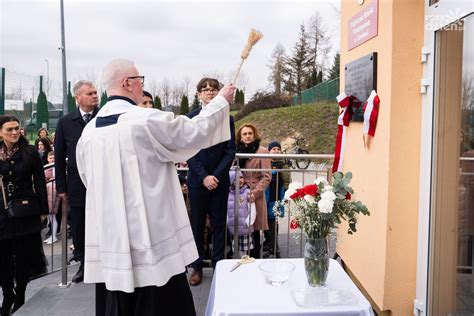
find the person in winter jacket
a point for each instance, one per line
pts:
(245, 216)
(22, 177)
(274, 193)
(53, 201)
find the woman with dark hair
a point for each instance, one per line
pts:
(147, 100)
(43, 133)
(248, 142)
(43, 147)
(23, 132)
(21, 250)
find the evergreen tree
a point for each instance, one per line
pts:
(312, 79)
(334, 72)
(158, 103)
(42, 115)
(184, 107)
(320, 77)
(298, 66)
(196, 103)
(103, 98)
(237, 97)
(242, 96)
(71, 101)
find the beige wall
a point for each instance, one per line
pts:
(382, 254)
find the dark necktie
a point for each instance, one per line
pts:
(87, 117)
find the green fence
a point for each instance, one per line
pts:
(327, 90)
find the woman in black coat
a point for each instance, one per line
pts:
(21, 249)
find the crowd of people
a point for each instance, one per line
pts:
(138, 184)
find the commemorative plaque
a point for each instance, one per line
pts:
(360, 80)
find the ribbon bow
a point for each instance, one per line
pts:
(345, 115)
(348, 106)
(371, 113)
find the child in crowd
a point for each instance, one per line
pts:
(184, 188)
(53, 200)
(246, 214)
(275, 192)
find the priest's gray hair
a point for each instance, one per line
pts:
(78, 85)
(115, 71)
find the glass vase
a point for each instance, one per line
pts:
(316, 261)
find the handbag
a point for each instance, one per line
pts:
(20, 207)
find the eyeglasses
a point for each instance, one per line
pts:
(209, 90)
(142, 78)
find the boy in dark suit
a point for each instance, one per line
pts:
(208, 183)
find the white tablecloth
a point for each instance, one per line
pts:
(245, 292)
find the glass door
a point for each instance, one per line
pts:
(451, 236)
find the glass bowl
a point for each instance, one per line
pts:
(276, 272)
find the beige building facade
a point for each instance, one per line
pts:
(413, 255)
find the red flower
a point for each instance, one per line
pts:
(294, 224)
(300, 193)
(311, 189)
(348, 196)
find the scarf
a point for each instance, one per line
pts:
(247, 149)
(6, 154)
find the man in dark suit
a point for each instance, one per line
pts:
(68, 182)
(208, 186)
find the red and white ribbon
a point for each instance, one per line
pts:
(371, 113)
(348, 105)
(342, 123)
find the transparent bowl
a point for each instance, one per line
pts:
(276, 272)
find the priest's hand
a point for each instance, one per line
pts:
(228, 92)
(210, 182)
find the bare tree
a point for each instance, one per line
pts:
(165, 91)
(241, 82)
(216, 75)
(178, 92)
(277, 68)
(467, 93)
(319, 44)
(186, 85)
(16, 93)
(91, 74)
(153, 87)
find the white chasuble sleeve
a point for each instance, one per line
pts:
(180, 138)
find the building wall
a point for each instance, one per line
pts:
(382, 254)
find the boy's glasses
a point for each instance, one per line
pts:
(209, 90)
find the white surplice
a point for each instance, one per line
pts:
(137, 227)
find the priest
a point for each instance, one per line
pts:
(138, 237)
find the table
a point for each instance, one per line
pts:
(245, 292)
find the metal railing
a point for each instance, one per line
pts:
(283, 236)
(303, 175)
(51, 253)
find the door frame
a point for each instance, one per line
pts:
(437, 17)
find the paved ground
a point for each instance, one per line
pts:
(44, 297)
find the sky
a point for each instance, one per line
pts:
(177, 40)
